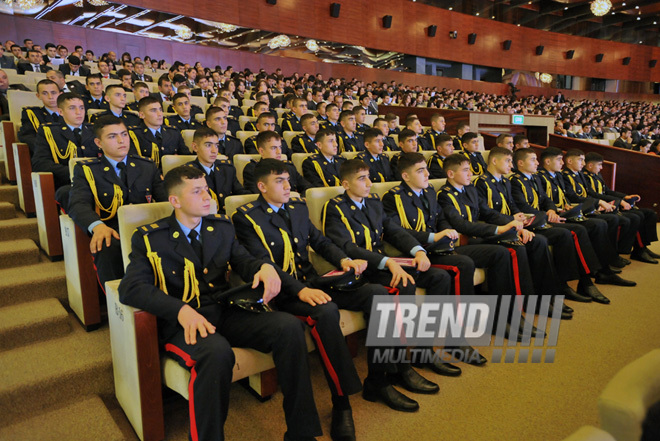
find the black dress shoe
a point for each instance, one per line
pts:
(446, 369)
(342, 427)
(651, 253)
(570, 294)
(566, 314)
(593, 292)
(620, 262)
(626, 261)
(613, 279)
(412, 381)
(643, 256)
(390, 396)
(615, 270)
(470, 355)
(567, 308)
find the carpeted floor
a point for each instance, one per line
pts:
(507, 402)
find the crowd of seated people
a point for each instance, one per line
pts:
(485, 200)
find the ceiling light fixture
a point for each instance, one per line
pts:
(224, 27)
(184, 32)
(98, 2)
(600, 7)
(312, 45)
(280, 41)
(545, 78)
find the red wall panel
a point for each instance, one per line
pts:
(360, 23)
(18, 28)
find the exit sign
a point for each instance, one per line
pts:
(518, 119)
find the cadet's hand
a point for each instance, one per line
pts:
(314, 296)
(192, 321)
(452, 234)
(513, 224)
(271, 281)
(421, 261)
(605, 206)
(625, 205)
(554, 217)
(526, 235)
(398, 274)
(520, 217)
(358, 266)
(101, 233)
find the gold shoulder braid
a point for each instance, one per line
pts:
(117, 198)
(421, 223)
(289, 262)
(71, 148)
(33, 119)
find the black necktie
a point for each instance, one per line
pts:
(122, 173)
(195, 244)
(98, 102)
(425, 202)
(159, 139)
(76, 133)
(285, 215)
(221, 145)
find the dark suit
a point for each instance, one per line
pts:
(91, 103)
(477, 163)
(431, 137)
(24, 66)
(464, 209)
(129, 118)
(298, 183)
(361, 234)
(83, 71)
(256, 221)
(404, 207)
(320, 172)
(198, 92)
(211, 359)
(423, 144)
(389, 145)
(230, 146)
(435, 165)
(7, 63)
(379, 169)
(347, 143)
(303, 144)
(146, 144)
(76, 87)
(31, 119)
(326, 124)
(619, 142)
(178, 123)
(53, 156)
(137, 78)
(222, 181)
(144, 185)
(292, 124)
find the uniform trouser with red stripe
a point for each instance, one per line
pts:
(457, 262)
(587, 261)
(336, 359)
(598, 234)
(276, 332)
(618, 231)
(496, 260)
(563, 252)
(544, 275)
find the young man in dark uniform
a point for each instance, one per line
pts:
(444, 147)
(100, 186)
(277, 227)
(220, 174)
(269, 145)
(33, 117)
(216, 120)
(349, 140)
(356, 222)
(529, 195)
(306, 142)
(184, 119)
(471, 151)
(379, 163)
(298, 109)
(184, 301)
(407, 144)
(115, 96)
(322, 169)
(152, 139)
(389, 144)
(265, 122)
(94, 98)
(648, 218)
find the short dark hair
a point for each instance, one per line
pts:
(267, 167)
(390, 117)
(521, 155)
(518, 139)
(593, 157)
(324, 133)
(162, 79)
(499, 151)
(306, 117)
(212, 111)
(454, 161)
(104, 121)
(265, 136)
(123, 72)
(93, 77)
(113, 86)
(407, 160)
(175, 177)
(442, 139)
(67, 96)
(46, 83)
(139, 85)
(549, 152)
(462, 125)
(265, 115)
(370, 134)
(203, 132)
(330, 106)
(345, 114)
(573, 152)
(468, 136)
(146, 101)
(351, 167)
(405, 134)
(178, 96)
(502, 136)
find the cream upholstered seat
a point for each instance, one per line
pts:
(369, 119)
(173, 161)
(243, 135)
(288, 136)
(240, 161)
(242, 120)
(350, 155)
(380, 188)
(298, 159)
(187, 136)
(625, 400)
(199, 101)
(18, 99)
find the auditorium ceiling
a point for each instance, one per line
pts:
(630, 21)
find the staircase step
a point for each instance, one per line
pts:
(87, 419)
(7, 210)
(34, 282)
(19, 228)
(32, 322)
(9, 193)
(21, 252)
(35, 377)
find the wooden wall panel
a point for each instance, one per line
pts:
(360, 24)
(100, 41)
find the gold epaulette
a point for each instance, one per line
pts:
(373, 196)
(220, 217)
(146, 229)
(245, 208)
(297, 200)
